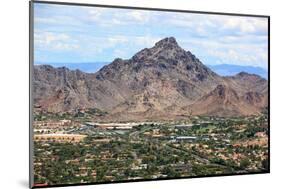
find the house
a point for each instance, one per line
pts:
(185, 138)
(59, 137)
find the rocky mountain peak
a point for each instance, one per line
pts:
(165, 51)
(167, 42)
(165, 48)
(154, 80)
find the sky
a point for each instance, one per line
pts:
(77, 34)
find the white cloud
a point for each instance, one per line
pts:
(54, 41)
(145, 41)
(113, 40)
(113, 17)
(222, 24)
(41, 20)
(91, 33)
(244, 24)
(120, 53)
(240, 55)
(242, 52)
(139, 16)
(96, 13)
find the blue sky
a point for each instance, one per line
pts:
(76, 34)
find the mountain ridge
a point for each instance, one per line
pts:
(220, 69)
(163, 77)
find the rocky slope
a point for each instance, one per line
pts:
(158, 82)
(225, 101)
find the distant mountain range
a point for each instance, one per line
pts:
(229, 70)
(162, 82)
(221, 69)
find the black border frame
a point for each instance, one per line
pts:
(31, 62)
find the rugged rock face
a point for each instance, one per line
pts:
(63, 90)
(225, 101)
(156, 82)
